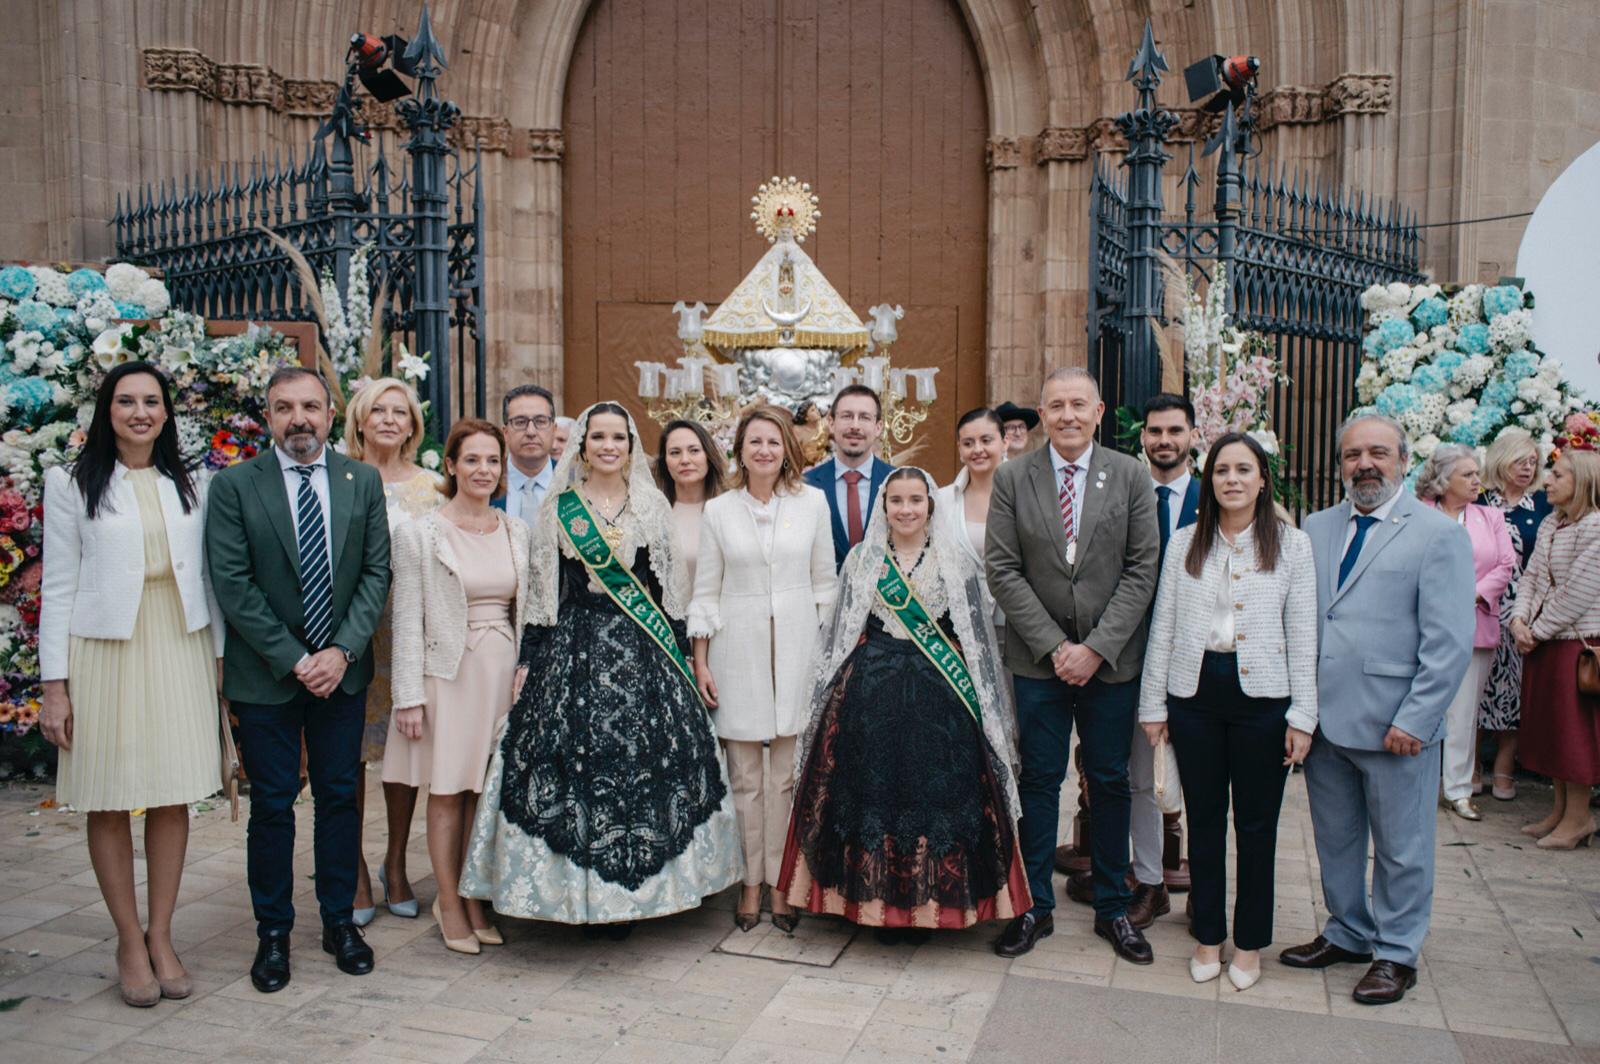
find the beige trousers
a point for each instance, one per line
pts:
(762, 794)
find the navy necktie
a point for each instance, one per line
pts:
(316, 583)
(1164, 516)
(1352, 552)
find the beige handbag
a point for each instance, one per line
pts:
(230, 764)
(1169, 795)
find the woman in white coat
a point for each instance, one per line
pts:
(963, 504)
(764, 585)
(129, 638)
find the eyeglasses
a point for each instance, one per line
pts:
(1016, 430)
(520, 424)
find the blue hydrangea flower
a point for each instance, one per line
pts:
(29, 398)
(34, 316)
(16, 283)
(1396, 332)
(1430, 312)
(1500, 392)
(1473, 339)
(85, 282)
(1521, 364)
(1431, 378)
(1502, 299)
(1397, 399)
(1467, 432)
(1450, 361)
(136, 310)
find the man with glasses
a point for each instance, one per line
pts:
(850, 479)
(529, 415)
(1015, 424)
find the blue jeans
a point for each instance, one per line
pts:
(269, 747)
(1105, 714)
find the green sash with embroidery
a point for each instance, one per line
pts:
(632, 598)
(895, 592)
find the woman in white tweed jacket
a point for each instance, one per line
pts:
(1232, 657)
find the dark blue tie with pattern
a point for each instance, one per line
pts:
(316, 574)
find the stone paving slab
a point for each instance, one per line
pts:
(1510, 973)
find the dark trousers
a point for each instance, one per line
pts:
(1105, 714)
(269, 746)
(1229, 743)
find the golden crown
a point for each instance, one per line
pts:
(786, 201)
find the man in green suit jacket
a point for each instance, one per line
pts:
(298, 545)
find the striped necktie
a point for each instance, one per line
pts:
(316, 574)
(1069, 517)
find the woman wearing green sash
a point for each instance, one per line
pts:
(905, 805)
(607, 800)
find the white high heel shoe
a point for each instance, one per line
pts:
(1241, 979)
(1204, 973)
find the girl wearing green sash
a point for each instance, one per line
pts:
(607, 800)
(905, 803)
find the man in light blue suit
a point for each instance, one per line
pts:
(1395, 603)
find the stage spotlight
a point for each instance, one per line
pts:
(376, 60)
(1221, 80)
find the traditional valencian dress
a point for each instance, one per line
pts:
(607, 799)
(905, 802)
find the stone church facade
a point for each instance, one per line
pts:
(951, 141)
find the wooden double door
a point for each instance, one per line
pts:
(676, 110)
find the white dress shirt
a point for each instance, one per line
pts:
(863, 490)
(1381, 513)
(1080, 481)
(319, 484)
(516, 483)
(1180, 488)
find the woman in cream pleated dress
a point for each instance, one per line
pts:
(460, 596)
(128, 653)
(383, 427)
(764, 582)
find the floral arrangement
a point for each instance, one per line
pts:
(1231, 371)
(1580, 432)
(1458, 364)
(60, 334)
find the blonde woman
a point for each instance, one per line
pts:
(765, 583)
(1512, 481)
(383, 427)
(1557, 611)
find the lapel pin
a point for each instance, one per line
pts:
(1099, 483)
(349, 476)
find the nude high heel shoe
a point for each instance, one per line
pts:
(468, 945)
(1554, 841)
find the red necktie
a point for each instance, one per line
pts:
(852, 507)
(1069, 501)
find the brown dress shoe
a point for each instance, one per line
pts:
(1070, 861)
(1147, 904)
(1320, 953)
(1385, 983)
(1080, 887)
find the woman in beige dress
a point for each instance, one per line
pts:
(128, 653)
(690, 472)
(460, 594)
(383, 427)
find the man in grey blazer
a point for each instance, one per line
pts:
(1070, 554)
(1395, 619)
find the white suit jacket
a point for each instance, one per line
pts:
(753, 606)
(1275, 625)
(94, 570)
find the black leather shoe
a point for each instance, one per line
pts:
(1385, 983)
(350, 951)
(1320, 953)
(270, 972)
(1024, 932)
(1127, 940)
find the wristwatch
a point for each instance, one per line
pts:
(349, 655)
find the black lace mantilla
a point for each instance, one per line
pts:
(608, 756)
(898, 801)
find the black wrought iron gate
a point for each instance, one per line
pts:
(424, 222)
(1297, 254)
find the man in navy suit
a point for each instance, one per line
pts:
(850, 479)
(1167, 439)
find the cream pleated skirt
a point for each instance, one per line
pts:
(145, 719)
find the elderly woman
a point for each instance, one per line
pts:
(1511, 481)
(1557, 613)
(1449, 481)
(383, 427)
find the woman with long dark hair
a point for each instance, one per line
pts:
(1230, 673)
(690, 472)
(129, 638)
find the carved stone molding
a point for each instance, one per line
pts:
(1002, 153)
(253, 85)
(1285, 105)
(547, 144)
